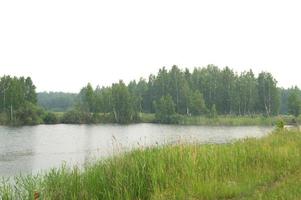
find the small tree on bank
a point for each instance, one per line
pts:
(123, 108)
(165, 110)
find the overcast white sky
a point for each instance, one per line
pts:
(63, 44)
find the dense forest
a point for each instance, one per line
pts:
(204, 91)
(208, 91)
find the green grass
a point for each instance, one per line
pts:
(229, 120)
(147, 117)
(226, 120)
(267, 168)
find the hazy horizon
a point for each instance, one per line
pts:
(63, 45)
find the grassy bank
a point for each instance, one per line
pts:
(227, 120)
(267, 168)
(230, 120)
(77, 117)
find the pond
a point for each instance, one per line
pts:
(31, 149)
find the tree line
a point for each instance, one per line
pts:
(202, 91)
(209, 91)
(18, 101)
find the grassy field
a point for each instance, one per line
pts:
(267, 168)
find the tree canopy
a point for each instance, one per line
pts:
(18, 100)
(193, 93)
(294, 101)
(207, 91)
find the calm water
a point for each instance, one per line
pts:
(31, 149)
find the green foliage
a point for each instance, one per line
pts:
(50, 118)
(123, 104)
(87, 99)
(197, 104)
(246, 94)
(15, 92)
(18, 101)
(165, 110)
(28, 114)
(280, 124)
(103, 100)
(267, 168)
(191, 93)
(294, 102)
(231, 93)
(212, 113)
(269, 99)
(147, 117)
(76, 117)
(56, 101)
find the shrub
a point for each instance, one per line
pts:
(28, 114)
(50, 118)
(77, 117)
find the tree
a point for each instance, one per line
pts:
(30, 91)
(28, 114)
(284, 94)
(247, 93)
(197, 104)
(294, 102)
(87, 99)
(213, 112)
(227, 90)
(268, 94)
(18, 100)
(165, 110)
(122, 104)
(142, 91)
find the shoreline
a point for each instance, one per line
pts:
(234, 170)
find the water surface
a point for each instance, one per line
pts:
(30, 149)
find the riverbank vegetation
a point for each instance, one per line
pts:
(266, 168)
(207, 91)
(18, 102)
(174, 96)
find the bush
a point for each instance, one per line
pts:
(102, 118)
(50, 118)
(28, 114)
(77, 117)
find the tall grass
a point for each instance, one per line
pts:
(243, 169)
